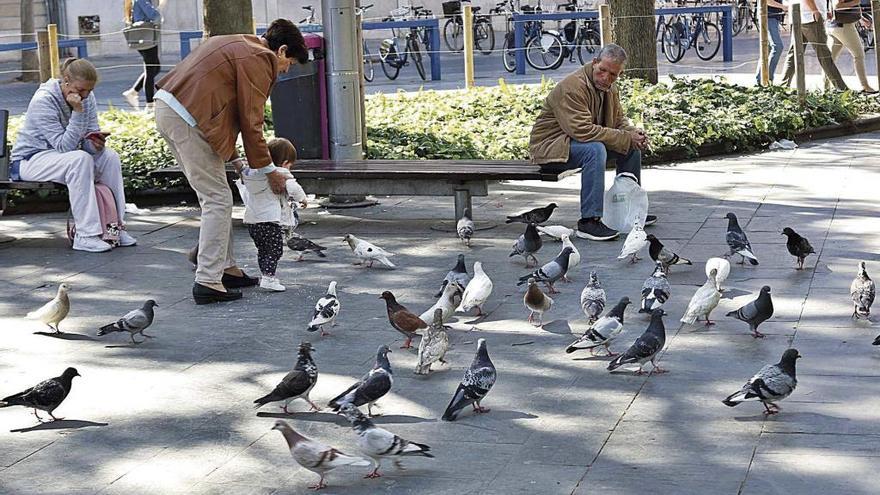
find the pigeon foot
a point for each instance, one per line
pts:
(319, 486)
(709, 322)
(758, 335)
(481, 410)
(374, 474)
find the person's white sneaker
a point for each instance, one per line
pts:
(271, 283)
(125, 239)
(149, 107)
(131, 96)
(91, 244)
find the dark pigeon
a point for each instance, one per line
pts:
(134, 322)
(457, 275)
(798, 246)
(550, 272)
(646, 347)
(302, 246)
(773, 383)
(528, 244)
(862, 291)
(476, 384)
(756, 312)
(659, 253)
(655, 290)
(537, 216)
(371, 387)
(297, 384)
(738, 242)
(45, 396)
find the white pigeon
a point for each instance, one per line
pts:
(446, 302)
(574, 259)
(433, 346)
(315, 456)
(722, 270)
(379, 443)
(555, 231)
(593, 299)
(465, 227)
(635, 241)
(54, 311)
(704, 301)
(477, 291)
(368, 253)
(326, 310)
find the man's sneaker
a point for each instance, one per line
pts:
(125, 239)
(131, 96)
(595, 230)
(271, 283)
(91, 244)
(650, 220)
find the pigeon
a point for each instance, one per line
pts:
(603, 332)
(368, 253)
(862, 292)
(465, 227)
(433, 346)
(574, 259)
(722, 270)
(798, 246)
(371, 387)
(45, 396)
(302, 245)
(297, 384)
(54, 311)
(655, 290)
(536, 216)
(446, 302)
(659, 253)
(458, 275)
(378, 443)
(193, 256)
(635, 241)
(704, 301)
(401, 319)
(527, 245)
(773, 383)
(326, 310)
(756, 312)
(536, 302)
(593, 299)
(134, 322)
(477, 291)
(555, 231)
(646, 347)
(552, 271)
(315, 456)
(738, 242)
(876, 340)
(475, 385)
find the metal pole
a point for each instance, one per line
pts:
(798, 39)
(605, 24)
(468, 17)
(763, 36)
(343, 72)
(43, 55)
(875, 11)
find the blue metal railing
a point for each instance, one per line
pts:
(79, 43)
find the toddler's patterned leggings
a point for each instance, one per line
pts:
(269, 240)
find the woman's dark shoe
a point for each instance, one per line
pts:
(233, 282)
(207, 295)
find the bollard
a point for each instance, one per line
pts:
(605, 24)
(798, 39)
(54, 64)
(875, 11)
(468, 17)
(43, 55)
(764, 37)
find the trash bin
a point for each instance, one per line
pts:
(299, 104)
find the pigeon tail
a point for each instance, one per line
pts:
(320, 253)
(733, 400)
(876, 342)
(113, 327)
(417, 449)
(617, 362)
(385, 261)
(753, 261)
(313, 328)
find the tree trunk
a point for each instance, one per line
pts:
(29, 61)
(633, 28)
(228, 17)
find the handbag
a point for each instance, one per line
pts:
(848, 15)
(141, 35)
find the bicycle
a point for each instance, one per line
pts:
(508, 56)
(369, 71)
(551, 48)
(744, 17)
(865, 28)
(704, 38)
(393, 58)
(453, 30)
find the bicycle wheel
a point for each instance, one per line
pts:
(740, 16)
(416, 52)
(708, 41)
(588, 44)
(369, 72)
(388, 57)
(508, 55)
(452, 35)
(544, 52)
(484, 36)
(672, 48)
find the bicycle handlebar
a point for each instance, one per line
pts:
(365, 7)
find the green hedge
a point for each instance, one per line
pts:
(494, 122)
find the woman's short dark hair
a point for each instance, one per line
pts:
(283, 32)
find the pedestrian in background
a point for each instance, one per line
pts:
(775, 16)
(142, 11)
(842, 33)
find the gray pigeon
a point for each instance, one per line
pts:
(458, 275)
(756, 312)
(593, 299)
(528, 244)
(476, 384)
(371, 387)
(862, 291)
(465, 227)
(646, 347)
(655, 290)
(302, 246)
(379, 443)
(603, 332)
(45, 396)
(134, 322)
(659, 253)
(773, 383)
(297, 384)
(738, 242)
(798, 246)
(552, 271)
(536, 216)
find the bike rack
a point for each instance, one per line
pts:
(433, 27)
(519, 31)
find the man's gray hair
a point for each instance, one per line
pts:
(612, 52)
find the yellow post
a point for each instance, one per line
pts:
(54, 64)
(764, 37)
(43, 55)
(468, 17)
(798, 40)
(605, 24)
(254, 25)
(875, 11)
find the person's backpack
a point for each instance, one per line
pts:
(110, 225)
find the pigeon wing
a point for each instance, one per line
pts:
(135, 320)
(377, 384)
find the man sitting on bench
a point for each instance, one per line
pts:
(582, 125)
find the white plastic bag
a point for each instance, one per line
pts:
(625, 203)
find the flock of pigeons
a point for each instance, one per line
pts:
(459, 292)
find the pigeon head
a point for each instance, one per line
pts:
(351, 412)
(765, 289)
(331, 289)
(730, 216)
(619, 308)
(459, 265)
(64, 288)
(478, 266)
(552, 206)
(69, 373)
(788, 231)
(150, 304)
(565, 238)
(658, 270)
(350, 239)
(624, 301)
(713, 273)
(566, 251)
(594, 279)
(532, 282)
(863, 271)
(281, 425)
(467, 212)
(482, 350)
(790, 355)
(652, 238)
(388, 296)
(305, 348)
(657, 314)
(290, 435)
(438, 318)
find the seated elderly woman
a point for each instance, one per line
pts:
(59, 142)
